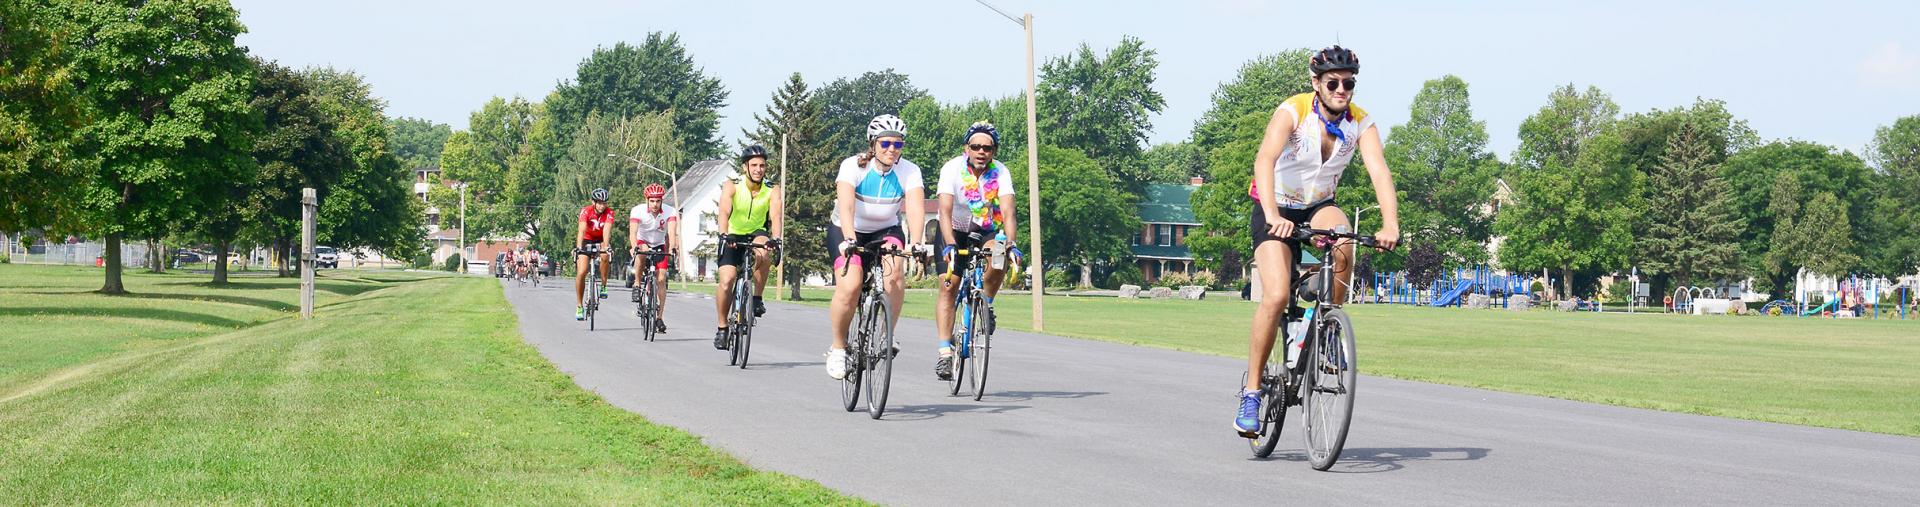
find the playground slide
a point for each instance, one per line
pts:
(1822, 308)
(1453, 296)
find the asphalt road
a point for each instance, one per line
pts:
(1078, 422)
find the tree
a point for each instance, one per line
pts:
(1555, 135)
(586, 166)
(795, 115)
(626, 81)
(417, 142)
(1441, 164)
(1693, 232)
(483, 157)
(1102, 106)
(1815, 238)
(1175, 162)
(847, 105)
(40, 112)
(1574, 218)
(299, 147)
(1259, 87)
(370, 204)
(1752, 176)
(1101, 215)
(1893, 225)
(169, 90)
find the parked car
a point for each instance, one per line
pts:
(326, 257)
(186, 257)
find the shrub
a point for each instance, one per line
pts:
(1127, 275)
(1174, 280)
(454, 263)
(422, 261)
(1060, 279)
(1205, 278)
(1538, 288)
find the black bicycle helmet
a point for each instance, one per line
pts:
(982, 127)
(600, 194)
(1334, 58)
(751, 151)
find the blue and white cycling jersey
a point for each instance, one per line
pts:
(878, 194)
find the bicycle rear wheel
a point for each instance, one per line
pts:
(957, 372)
(850, 385)
(1328, 386)
(1273, 401)
(879, 354)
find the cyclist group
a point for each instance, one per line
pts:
(1308, 143)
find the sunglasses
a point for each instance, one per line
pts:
(982, 147)
(1334, 85)
(893, 145)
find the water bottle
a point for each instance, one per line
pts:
(1296, 338)
(1000, 251)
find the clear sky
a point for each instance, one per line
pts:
(1824, 71)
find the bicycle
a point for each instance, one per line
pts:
(1323, 380)
(740, 315)
(974, 320)
(646, 307)
(592, 298)
(870, 343)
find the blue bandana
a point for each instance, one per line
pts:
(1333, 125)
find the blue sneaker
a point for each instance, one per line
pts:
(1248, 422)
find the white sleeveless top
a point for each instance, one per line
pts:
(1301, 177)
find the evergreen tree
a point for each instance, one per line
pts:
(795, 114)
(1693, 232)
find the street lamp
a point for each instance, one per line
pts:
(1033, 170)
(1356, 227)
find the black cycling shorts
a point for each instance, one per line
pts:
(1257, 226)
(738, 255)
(834, 238)
(963, 241)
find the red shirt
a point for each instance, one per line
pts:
(596, 222)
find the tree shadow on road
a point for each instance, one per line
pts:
(1376, 460)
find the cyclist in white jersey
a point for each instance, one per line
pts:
(873, 190)
(652, 227)
(1308, 144)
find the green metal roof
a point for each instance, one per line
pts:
(1163, 252)
(1168, 204)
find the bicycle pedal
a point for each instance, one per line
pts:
(1250, 434)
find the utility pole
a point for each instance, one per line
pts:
(1033, 173)
(308, 204)
(780, 269)
(463, 230)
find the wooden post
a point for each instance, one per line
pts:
(780, 269)
(308, 205)
(1033, 185)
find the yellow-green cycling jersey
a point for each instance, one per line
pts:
(750, 209)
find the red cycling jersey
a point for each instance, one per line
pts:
(596, 223)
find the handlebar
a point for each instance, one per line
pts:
(1303, 232)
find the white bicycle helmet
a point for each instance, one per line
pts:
(886, 125)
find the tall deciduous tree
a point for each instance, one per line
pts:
(847, 105)
(1440, 161)
(1576, 218)
(1102, 105)
(1226, 138)
(1556, 134)
(1753, 175)
(417, 142)
(810, 166)
(626, 81)
(1893, 226)
(169, 88)
(40, 112)
(1259, 87)
(1101, 215)
(371, 203)
(1693, 232)
(483, 157)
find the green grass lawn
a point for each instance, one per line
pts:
(407, 389)
(1852, 374)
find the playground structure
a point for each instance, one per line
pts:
(1855, 296)
(1452, 288)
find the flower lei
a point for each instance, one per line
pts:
(982, 193)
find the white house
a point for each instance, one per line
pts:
(701, 186)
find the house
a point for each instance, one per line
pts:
(1166, 217)
(697, 196)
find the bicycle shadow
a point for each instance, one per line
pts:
(1019, 396)
(1377, 460)
(785, 366)
(928, 412)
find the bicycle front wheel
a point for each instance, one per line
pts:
(879, 354)
(743, 342)
(593, 302)
(1329, 388)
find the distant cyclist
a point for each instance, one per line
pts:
(591, 230)
(1308, 143)
(750, 210)
(976, 212)
(871, 191)
(652, 227)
